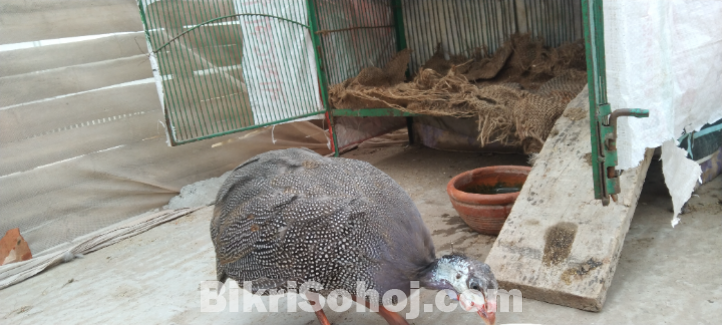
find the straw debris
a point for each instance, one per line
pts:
(516, 94)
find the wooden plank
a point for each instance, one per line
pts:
(559, 244)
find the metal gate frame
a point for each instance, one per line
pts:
(364, 112)
(602, 121)
(173, 140)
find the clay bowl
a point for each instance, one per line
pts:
(483, 197)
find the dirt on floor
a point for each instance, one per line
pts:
(664, 275)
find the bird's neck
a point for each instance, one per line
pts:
(432, 277)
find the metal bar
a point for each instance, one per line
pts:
(591, 9)
(259, 94)
(410, 129)
(229, 104)
(400, 33)
(364, 46)
(399, 25)
(284, 50)
(249, 128)
(220, 90)
(371, 112)
(704, 131)
(192, 90)
(169, 92)
(450, 36)
(603, 122)
(248, 113)
(332, 63)
(299, 97)
(323, 85)
(221, 18)
(149, 39)
(207, 91)
(329, 31)
(244, 100)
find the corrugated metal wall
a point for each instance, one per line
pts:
(355, 35)
(460, 26)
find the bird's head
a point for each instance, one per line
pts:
(468, 281)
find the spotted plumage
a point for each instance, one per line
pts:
(293, 215)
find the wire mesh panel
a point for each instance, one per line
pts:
(224, 66)
(354, 34)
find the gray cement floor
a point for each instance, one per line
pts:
(665, 275)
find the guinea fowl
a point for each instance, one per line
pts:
(293, 215)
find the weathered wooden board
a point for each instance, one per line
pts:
(559, 244)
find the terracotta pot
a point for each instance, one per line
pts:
(486, 213)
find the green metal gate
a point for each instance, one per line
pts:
(224, 66)
(603, 122)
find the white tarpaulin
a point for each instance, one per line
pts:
(665, 56)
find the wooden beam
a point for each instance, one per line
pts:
(559, 244)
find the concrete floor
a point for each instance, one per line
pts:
(665, 275)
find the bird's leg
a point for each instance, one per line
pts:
(322, 317)
(391, 317)
(313, 299)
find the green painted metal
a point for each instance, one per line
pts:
(371, 112)
(702, 143)
(290, 119)
(591, 13)
(704, 131)
(638, 112)
(323, 82)
(206, 90)
(351, 36)
(399, 25)
(397, 7)
(602, 121)
(346, 36)
(221, 18)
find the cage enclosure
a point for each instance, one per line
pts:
(501, 70)
(225, 66)
(507, 68)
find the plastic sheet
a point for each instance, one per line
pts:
(665, 56)
(82, 138)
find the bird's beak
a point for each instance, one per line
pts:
(476, 301)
